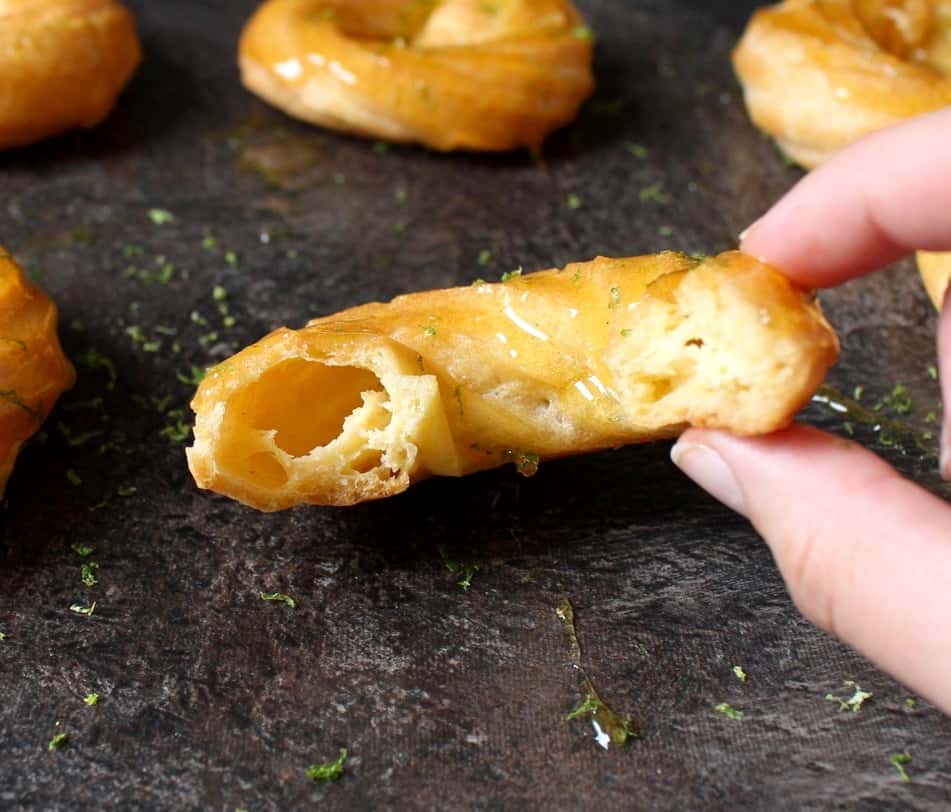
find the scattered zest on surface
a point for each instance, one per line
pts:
(898, 761)
(468, 571)
(329, 770)
(729, 711)
(161, 217)
(854, 702)
(79, 609)
(88, 573)
(91, 699)
(57, 741)
(739, 673)
(279, 596)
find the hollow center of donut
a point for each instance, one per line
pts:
(901, 27)
(305, 403)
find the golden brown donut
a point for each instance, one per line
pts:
(935, 273)
(34, 372)
(452, 74)
(363, 403)
(62, 65)
(819, 74)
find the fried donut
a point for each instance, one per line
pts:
(62, 65)
(819, 74)
(361, 404)
(488, 75)
(935, 273)
(34, 372)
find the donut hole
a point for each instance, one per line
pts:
(901, 27)
(304, 403)
(387, 21)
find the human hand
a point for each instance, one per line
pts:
(865, 554)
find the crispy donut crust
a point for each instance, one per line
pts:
(34, 372)
(488, 75)
(819, 74)
(63, 63)
(363, 403)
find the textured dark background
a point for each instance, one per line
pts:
(446, 698)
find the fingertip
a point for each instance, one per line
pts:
(944, 382)
(706, 467)
(865, 553)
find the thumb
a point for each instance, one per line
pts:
(866, 555)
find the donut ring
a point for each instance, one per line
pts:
(62, 65)
(34, 372)
(819, 74)
(488, 75)
(360, 404)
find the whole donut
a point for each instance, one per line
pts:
(62, 65)
(452, 74)
(819, 74)
(34, 372)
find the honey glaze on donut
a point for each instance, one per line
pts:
(452, 74)
(819, 74)
(62, 65)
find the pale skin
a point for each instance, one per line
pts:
(866, 554)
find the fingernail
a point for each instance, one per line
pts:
(707, 468)
(746, 231)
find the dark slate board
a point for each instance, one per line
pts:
(214, 699)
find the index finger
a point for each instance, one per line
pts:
(876, 201)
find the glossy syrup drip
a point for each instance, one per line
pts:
(609, 726)
(891, 432)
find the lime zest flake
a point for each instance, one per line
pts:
(79, 609)
(467, 571)
(57, 741)
(92, 359)
(729, 711)
(853, 703)
(328, 770)
(279, 596)
(739, 673)
(637, 150)
(88, 573)
(654, 193)
(161, 217)
(193, 377)
(898, 761)
(91, 699)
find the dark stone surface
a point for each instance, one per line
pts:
(214, 699)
